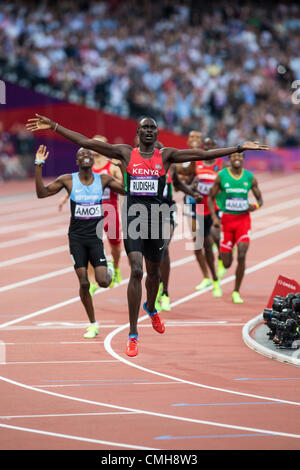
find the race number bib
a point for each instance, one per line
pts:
(144, 185)
(204, 188)
(237, 204)
(87, 211)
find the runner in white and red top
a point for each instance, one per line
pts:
(111, 210)
(205, 175)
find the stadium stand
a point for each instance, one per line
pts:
(226, 68)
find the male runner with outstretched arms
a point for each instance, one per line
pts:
(144, 170)
(230, 190)
(85, 190)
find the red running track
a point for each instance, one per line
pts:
(198, 386)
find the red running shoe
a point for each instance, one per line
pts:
(132, 347)
(157, 322)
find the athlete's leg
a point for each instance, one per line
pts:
(92, 279)
(200, 257)
(215, 233)
(209, 256)
(152, 282)
(134, 290)
(227, 259)
(165, 265)
(227, 241)
(85, 297)
(210, 259)
(115, 250)
(91, 274)
(103, 276)
(242, 249)
(165, 268)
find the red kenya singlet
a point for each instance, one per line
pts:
(145, 179)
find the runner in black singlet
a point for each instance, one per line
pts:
(85, 190)
(145, 188)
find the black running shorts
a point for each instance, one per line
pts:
(86, 250)
(145, 239)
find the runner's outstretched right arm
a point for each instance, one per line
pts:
(44, 123)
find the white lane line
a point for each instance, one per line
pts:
(45, 343)
(70, 415)
(105, 384)
(152, 413)
(33, 280)
(32, 214)
(35, 237)
(257, 267)
(36, 255)
(17, 228)
(272, 229)
(281, 193)
(76, 438)
(56, 362)
(276, 208)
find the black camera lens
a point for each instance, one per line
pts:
(267, 314)
(278, 303)
(289, 299)
(296, 304)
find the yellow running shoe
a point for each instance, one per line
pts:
(236, 298)
(217, 291)
(118, 276)
(165, 303)
(221, 269)
(158, 297)
(205, 283)
(93, 288)
(92, 331)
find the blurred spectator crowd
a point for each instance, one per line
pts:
(16, 152)
(224, 68)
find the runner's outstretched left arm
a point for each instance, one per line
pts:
(181, 156)
(44, 123)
